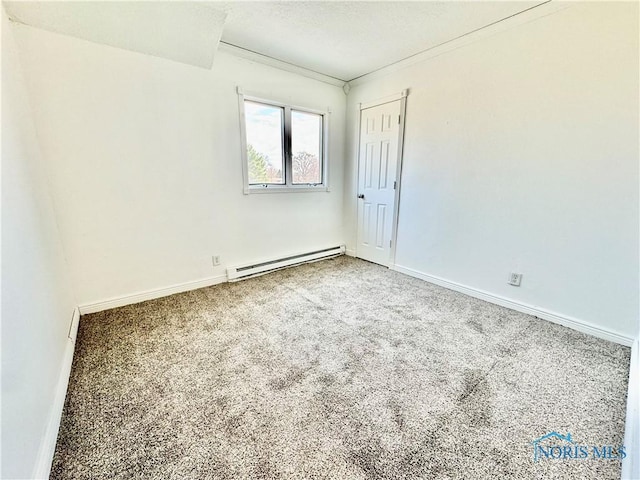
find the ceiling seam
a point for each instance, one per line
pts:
(449, 41)
(283, 61)
(392, 63)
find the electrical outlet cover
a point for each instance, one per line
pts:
(515, 279)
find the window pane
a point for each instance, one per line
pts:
(306, 146)
(264, 125)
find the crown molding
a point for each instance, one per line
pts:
(274, 62)
(526, 16)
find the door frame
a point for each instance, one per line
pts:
(402, 96)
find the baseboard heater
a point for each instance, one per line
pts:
(245, 271)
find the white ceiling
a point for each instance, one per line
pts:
(346, 40)
(340, 39)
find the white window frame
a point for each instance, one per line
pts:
(288, 187)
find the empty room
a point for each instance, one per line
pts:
(324, 239)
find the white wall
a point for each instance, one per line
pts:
(144, 160)
(521, 154)
(37, 301)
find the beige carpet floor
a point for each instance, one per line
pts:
(338, 369)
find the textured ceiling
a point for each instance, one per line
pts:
(186, 32)
(341, 39)
(348, 39)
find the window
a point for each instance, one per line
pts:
(284, 147)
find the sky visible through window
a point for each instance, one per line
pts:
(264, 127)
(305, 147)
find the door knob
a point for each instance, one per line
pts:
(361, 195)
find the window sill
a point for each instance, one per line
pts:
(291, 189)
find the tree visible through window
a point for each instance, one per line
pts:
(260, 170)
(265, 149)
(306, 141)
(306, 168)
(284, 145)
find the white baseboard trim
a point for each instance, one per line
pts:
(570, 322)
(349, 252)
(631, 464)
(48, 443)
(150, 294)
(73, 326)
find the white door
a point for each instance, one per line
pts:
(377, 170)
